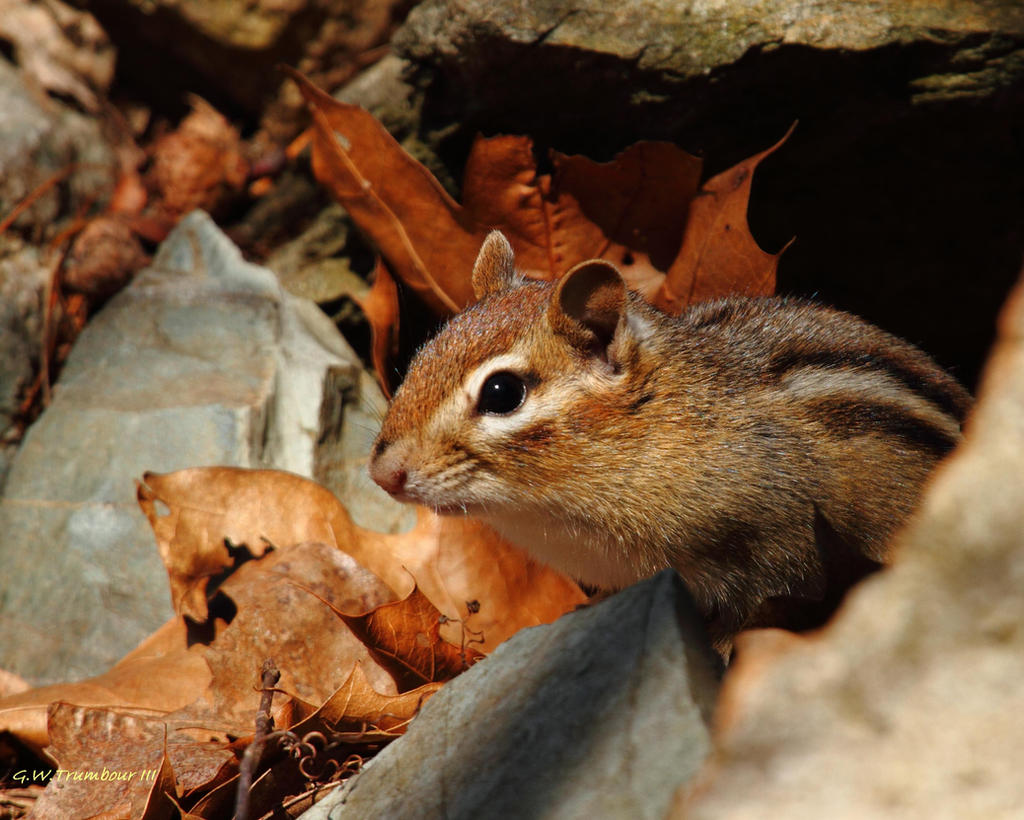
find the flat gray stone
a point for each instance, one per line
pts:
(203, 360)
(693, 37)
(603, 713)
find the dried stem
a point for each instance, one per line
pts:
(269, 676)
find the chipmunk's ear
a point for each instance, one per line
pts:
(588, 305)
(495, 266)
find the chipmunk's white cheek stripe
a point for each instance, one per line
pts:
(453, 412)
(492, 426)
(513, 360)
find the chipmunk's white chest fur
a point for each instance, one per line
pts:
(581, 553)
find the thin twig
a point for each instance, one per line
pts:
(269, 676)
(51, 299)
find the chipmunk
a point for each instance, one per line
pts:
(766, 448)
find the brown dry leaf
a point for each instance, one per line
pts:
(405, 638)
(183, 674)
(194, 559)
(719, 256)
(380, 306)
(206, 509)
(458, 564)
(103, 258)
(388, 193)
(199, 165)
(162, 803)
(483, 585)
(631, 211)
(209, 684)
(356, 707)
(264, 609)
(108, 764)
(277, 618)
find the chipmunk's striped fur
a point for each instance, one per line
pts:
(765, 448)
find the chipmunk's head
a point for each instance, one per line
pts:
(493, 410)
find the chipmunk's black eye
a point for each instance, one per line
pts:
(502, 393)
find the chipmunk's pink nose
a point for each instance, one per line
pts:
(388, 470)
(393, 480)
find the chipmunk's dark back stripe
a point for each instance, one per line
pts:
(709, 314)
(854, 417)
(930, 384)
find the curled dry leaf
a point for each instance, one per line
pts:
(194, 514)
(473, 592)
(161, 802)
(275, 617)
(405, 638)
(206, 675)
(199, 165)
(718, 255)
(103, 258)
(357, 707)
(470, 584)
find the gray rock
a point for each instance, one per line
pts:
(203, 360)
(231, 49)
(23, 278)
(383, 91)
(64, 50)
(350, 418)
(601, 714)
(38, 138)
(665, 43)
(909, 705)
